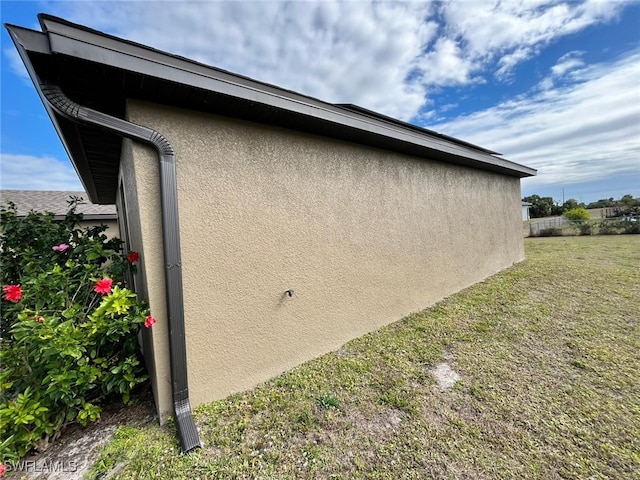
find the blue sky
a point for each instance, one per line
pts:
(550, 84)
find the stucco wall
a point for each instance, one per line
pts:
(363, 236)
(141, 197)
(112, 226)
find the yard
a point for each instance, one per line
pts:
(548, 358)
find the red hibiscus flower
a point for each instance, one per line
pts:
(133, 257)
(103, 286)
(149, 321)
(12, 293)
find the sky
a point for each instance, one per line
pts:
(554, 85)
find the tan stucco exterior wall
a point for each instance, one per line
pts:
(112, 226)
(363, 236)
(141, 197)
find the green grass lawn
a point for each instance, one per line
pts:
(549, 358)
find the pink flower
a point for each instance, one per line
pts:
(12, 293)
(3, 469)
(39, 319)
(60, 248)
(149, 321)
(133, 257)
(103, 286)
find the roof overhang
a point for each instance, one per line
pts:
(101, 72)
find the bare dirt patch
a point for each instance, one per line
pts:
(375, 424)
(445, 375)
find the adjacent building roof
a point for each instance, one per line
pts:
(101, 72)
(55, 202)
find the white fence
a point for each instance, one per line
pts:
(536, 226)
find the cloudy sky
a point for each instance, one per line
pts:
(554, 85)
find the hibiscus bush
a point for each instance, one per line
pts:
(69, 326)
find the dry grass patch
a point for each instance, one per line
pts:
(547, 354)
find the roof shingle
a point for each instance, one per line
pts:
(55, 202)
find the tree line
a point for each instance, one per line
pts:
(547, 207)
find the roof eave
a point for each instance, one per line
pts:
(30, 41)
(69, 39)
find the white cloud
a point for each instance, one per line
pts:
(446, 65)
(385, 56)
(572, 133)
(515, 30)
(569, 65)
(15, 63)
(20, 172)
(510, 60)
(568, 62)
(347, 52)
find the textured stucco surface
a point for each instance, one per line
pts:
(363, 236)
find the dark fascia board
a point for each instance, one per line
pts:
(81, 42)
(29, 41)
(371, 113)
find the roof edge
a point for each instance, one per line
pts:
(25, 41)
(81, 42)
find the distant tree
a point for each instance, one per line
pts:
(571, 204)
(627, 201)
(602, 203)
(546, 207)
(542, 206)
(623, 206)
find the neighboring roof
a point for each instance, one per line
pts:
(101, 72)
(526, 204)
(55, 202)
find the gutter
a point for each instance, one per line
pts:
(59, 102)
